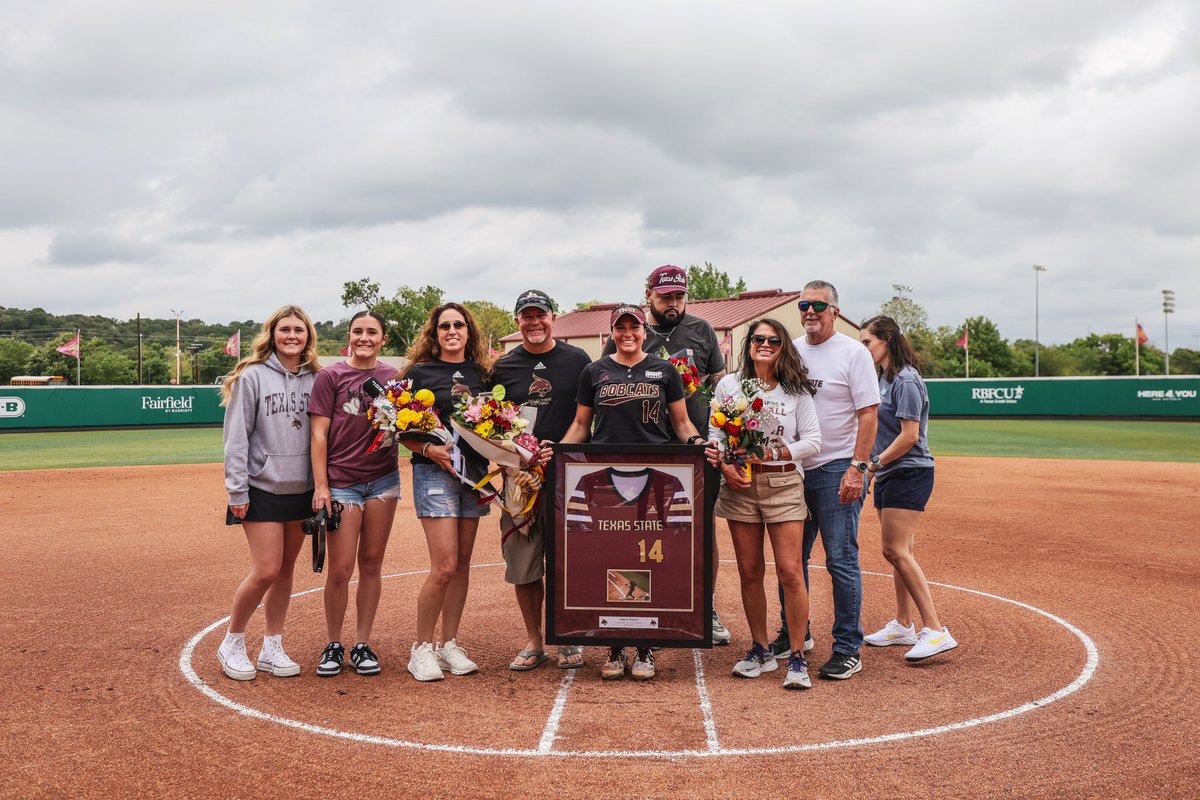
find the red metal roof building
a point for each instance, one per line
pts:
(729, 316)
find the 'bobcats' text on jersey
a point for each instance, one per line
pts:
(630, 403)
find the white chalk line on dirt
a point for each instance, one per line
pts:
(549, 733)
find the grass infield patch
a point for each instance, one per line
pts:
(1086, 440)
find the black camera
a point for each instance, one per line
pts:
(329, 520)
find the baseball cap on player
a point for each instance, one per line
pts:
(666, 279)
(626, 311)
(534, 298)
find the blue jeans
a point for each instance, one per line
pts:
(838, 525)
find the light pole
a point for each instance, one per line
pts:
(1168, 308)
(177, 314)
(1037, 366)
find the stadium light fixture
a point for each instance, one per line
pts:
(1168, 308)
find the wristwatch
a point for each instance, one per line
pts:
(861, 466)
(696, 438)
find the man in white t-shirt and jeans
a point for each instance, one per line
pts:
(847, 399)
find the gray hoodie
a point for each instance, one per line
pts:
(267, 433)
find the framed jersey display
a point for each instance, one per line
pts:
(629, 561)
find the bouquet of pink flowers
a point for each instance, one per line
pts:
(743, 420)
(499, 431)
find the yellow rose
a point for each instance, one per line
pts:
(404, 399)
(425, 397)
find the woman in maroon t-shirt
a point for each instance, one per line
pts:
(366, 484)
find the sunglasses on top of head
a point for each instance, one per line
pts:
(759, 339)
(457, 324)
(818, 306)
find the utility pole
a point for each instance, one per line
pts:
(1168, 308)
(177, 314)
(139, 333)
(1037, 366)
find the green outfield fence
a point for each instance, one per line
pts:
(32, 408)
(1171, 398)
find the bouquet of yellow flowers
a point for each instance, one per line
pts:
(499, 431)
(743, 420)
(399, 413)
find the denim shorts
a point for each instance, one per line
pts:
(357, 494)
(437, 493)
(906, 487)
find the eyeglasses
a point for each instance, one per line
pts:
(759, 339)
(818, 306)
(445, 326)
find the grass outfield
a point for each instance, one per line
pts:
(1088, 440)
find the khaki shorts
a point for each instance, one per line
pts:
(524, 550)
(771, 497)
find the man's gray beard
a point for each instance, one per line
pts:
(662, 322)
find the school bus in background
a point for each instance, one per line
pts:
(37, 380)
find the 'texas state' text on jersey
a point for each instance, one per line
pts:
(610, 530)
(629, 404)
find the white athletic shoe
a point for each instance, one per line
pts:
(720, 634)
(453, 658)
(930, 643)
(797, 673)
(757, 661)
(423, 664)
(274, 660)
(234, 661)
(892, 633)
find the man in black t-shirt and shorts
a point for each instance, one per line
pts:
(543, 373)
(672, 329)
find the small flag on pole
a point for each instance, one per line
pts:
(71, 347)
(345, 350)
(964, 341)
(727, 346)
(1142, 338)
(233, 347)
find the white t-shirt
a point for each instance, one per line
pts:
(844, 375)
(796, 429)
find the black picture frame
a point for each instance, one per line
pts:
(651, 615)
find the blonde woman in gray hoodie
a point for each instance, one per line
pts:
(268, 475)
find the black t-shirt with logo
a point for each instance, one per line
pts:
(448, 381)
(546, 381)
(629, 404)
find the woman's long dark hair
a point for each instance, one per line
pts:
(789, 366)
(900, 353)
(426, 348)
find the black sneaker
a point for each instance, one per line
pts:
(841, 666)
(331, 660)
(782, 644)
(363, 658)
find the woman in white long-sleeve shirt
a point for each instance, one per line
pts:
(268, 476)
(772, 498)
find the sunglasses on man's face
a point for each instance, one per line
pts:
(818, 306)
(759, 339)
(445, 326)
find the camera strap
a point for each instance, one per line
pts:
(318, 548)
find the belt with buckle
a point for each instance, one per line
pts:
(789, 467)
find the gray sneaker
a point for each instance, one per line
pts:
(797, 673)
(720, 634)
(757, 661)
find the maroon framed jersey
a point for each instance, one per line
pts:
(629, 561)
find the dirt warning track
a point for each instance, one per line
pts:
(1067, 584)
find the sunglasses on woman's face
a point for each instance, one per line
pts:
(759, 339)
(818, 306)
(445, 326)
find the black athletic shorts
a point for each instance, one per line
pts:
(906, 487)
(267, 507)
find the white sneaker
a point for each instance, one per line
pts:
(643, 665)
(892, 633)
(423, 664)
(757, 661)
(272, 659)
(930, 643)
(453, 658)
(234, 661)
(720, 634)
(797, 674)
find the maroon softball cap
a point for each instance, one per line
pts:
(668, 278)
(626, 311)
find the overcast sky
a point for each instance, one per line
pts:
(225, 158)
